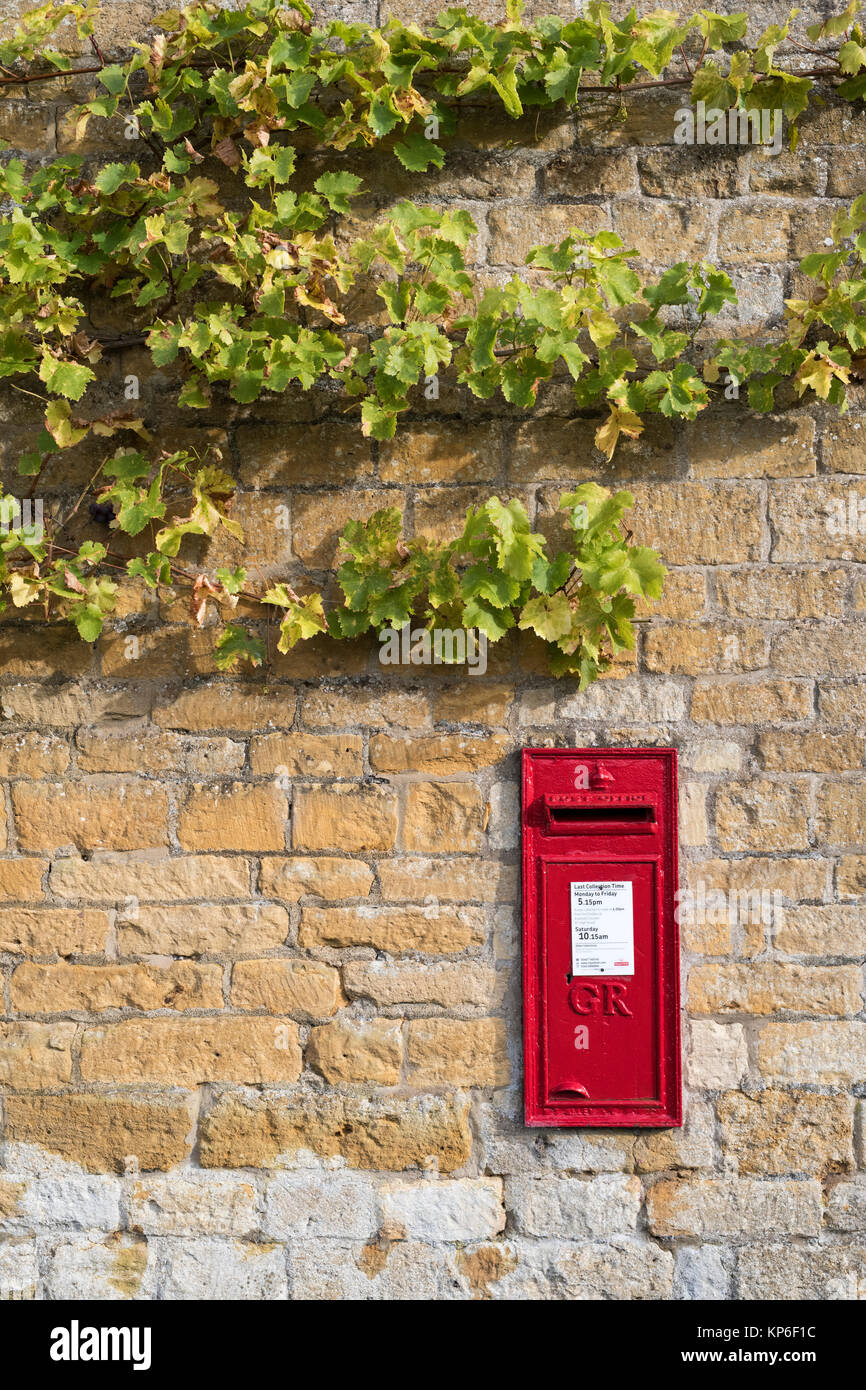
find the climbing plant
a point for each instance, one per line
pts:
(241, 277)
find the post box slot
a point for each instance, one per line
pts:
(604, 814)
(601, 949)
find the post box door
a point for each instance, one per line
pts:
(601, 969)
(597, 999)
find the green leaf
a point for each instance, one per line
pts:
(69, 379)
(549, 616)
(60, 426)
(720, 29)
(113, 176)
(337, 189)
(88, 618)
(852, 57)
(236, 644)
(113, 78)
(417, 153)
(305, 618)
(377, 421)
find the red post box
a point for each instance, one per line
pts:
(600, 939)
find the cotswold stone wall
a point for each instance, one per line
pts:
(259, 937)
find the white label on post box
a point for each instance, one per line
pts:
(602, 929)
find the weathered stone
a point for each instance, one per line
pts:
(359, 708)
(718, 1056)
(693, 814)
(770, 987)
(442, 816)
(620, 1268)
(701, 523)
(728, 1207)
(117, 1268)
(473, 702)
(579, 173)
(791, 173)
(798, 879)
(515, 228)
(465, 1209)
(752, 702)
(627, 702)
(201, 930)
(19, 1270)
(660, 232)
(817, 1272)
(221, 1269)
(35, 1056)
(752, 446)
(307, 755)
(781, 1132)
(837, 650)
(439, 754)
(436, 930)
(809, 1054)
(590, 1151)
(125, 815)
(230, 708)
(446, 986)
(252, 1132)
(842, 703)
(764, 592)
(503, 827)
(443, 454)
(344, 817)
(50, 930)
(307, 454)
(356, 1052)
(576, 1208)
(844, 442)
(814, 930)
(318, 519)
(197, 1204)
(762, 815)
(454, 879)
(71, 1202)
(110, 879)
(701, 1273)
(445, 1051)
(818, 752)
(846, 1208)
(47, 989)
(840, 813)
(104, 1133)
(851, 876)
(330, 1204)
(330, 1270)
(689, 1147)
(32, 754)
(238, 816)
(332, 878)
(694, 649)
(188, 1051)
(61, 707)
(305, 989)
(21, 880)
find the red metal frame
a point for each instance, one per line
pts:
(600, 1051)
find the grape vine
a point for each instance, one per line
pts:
(250, 289)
